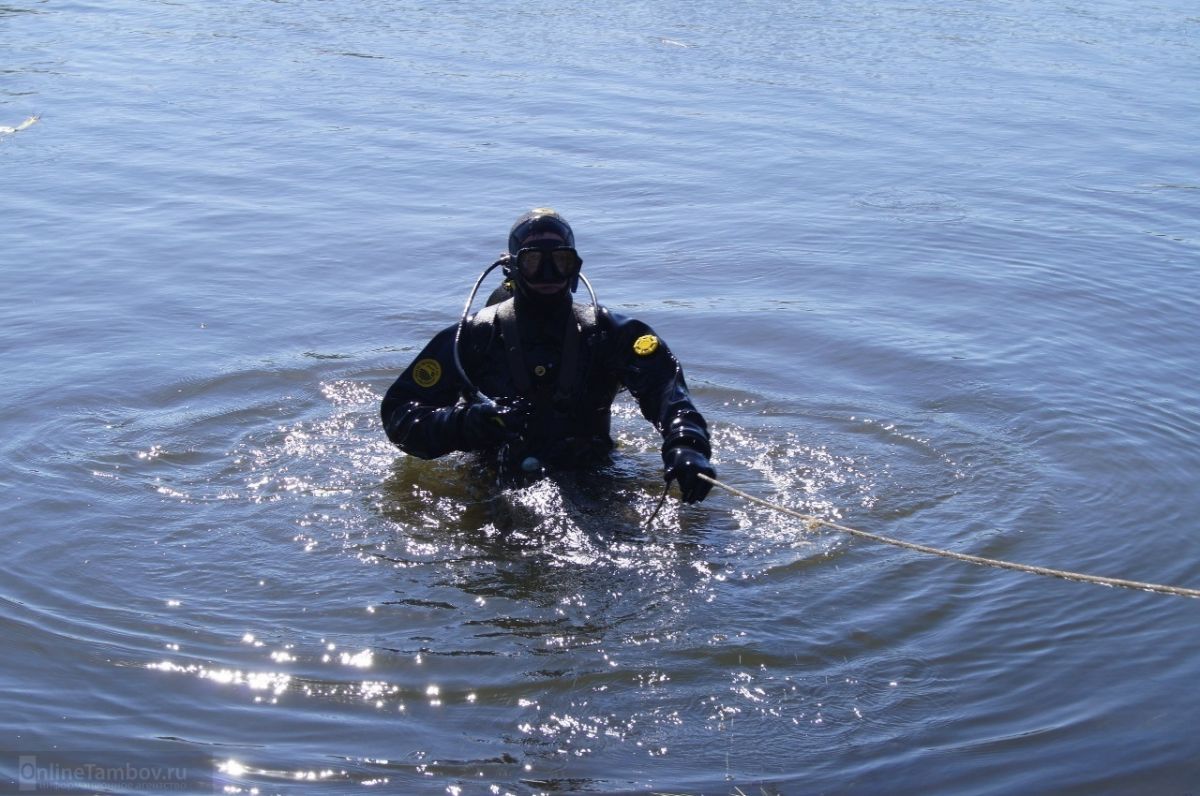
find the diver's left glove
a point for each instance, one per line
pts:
(685, 465)
(488, 425)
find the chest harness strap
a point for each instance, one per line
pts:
(568, 372)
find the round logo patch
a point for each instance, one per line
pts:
(427, 372)
(645, 345)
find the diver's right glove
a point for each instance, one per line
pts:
(489, 425)
(685, 465)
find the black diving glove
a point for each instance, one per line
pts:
(685, 465)
(490, 425)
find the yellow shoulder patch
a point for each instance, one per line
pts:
(427, 372)
(645, 345)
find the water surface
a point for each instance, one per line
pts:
(931, 270)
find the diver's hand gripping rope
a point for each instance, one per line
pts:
(815, 522)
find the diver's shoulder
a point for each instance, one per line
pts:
(487, 315)
(619, 322)
(476, 330)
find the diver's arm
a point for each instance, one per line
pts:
(419, 411)
(654, 378)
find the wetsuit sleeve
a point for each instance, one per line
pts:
(653, 376)
(419, 410)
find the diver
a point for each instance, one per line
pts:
(529, 380)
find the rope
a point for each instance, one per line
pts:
(814, 522)
(658, 507)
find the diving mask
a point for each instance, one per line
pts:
(548, 263)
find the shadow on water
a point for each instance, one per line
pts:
(612, 504)
(570, 557)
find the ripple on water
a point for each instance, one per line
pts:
(337, 589)
(914, 205)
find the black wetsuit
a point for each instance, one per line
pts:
(567, 364)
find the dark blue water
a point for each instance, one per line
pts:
(931, 269)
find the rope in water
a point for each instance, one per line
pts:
(814, 522)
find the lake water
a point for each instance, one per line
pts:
(931, 269)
